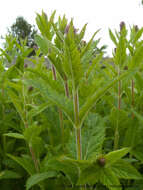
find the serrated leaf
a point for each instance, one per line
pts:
(138, 57)
(70, 169)
(93, 135)
(109, 179)
(91, 100)
(37, 178)
(87, 47)
(114, 156)
(54, 97)
(45, 45)
(38, 109)
(125, 170)
(94, 62)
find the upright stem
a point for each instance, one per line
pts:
(26, 126)
(54, 72)
(61, 124)
(119, 94)
(59, 110)
(133, 99)
(116, 139)
(3, 118)
(66, 89)
(77, 127)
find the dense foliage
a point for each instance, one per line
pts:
(76, 121)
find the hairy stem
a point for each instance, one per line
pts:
(133, 99)
(54, 72)
(66, 89)
(59, 110)
(77, 128)
(26, 126)
(61, 125)
(116, 139)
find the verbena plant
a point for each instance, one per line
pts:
(73, 122)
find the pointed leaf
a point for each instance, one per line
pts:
(37, 178)
(114, 156)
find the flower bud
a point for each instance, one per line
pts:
(25, 65)
(126, 67)
(101, 161)
(68, 27)
(30, 89)
(136, 28)
(122, 25)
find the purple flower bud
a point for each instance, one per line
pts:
(25, 65)
(101, 161)
(136, 28)
(68, 27)
(122, 25)
(83, 42)
(126, 67)
(35, 47)
(30, 89)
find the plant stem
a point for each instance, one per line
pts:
(66, 89)
(26, 126)
(3, 118)
(116, 139)
(77, 128)
(133, 100)
(34, 159)
(59, 110)
(54, 72)
(61, 125)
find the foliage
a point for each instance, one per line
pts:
(77, 121)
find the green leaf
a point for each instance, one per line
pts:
(92, 99)
(45, 45)
(113, 38)
(71, 61)
(54, 97)
(37, 178)
(25, 162)
(45, 25)
(82, 33)
(125, 170)
(120, 55)
(87, 47)
(138, 35)
(42, 44)
(90, 175)
(114, 156)
(109, 179)
(70, 169)
(93, 135)
(119, 117)
(14, 135)
(138, 57)
(17, 103)
(94, 62)
(137, 152)
(58, 33)
(36, 110)
(8, 174)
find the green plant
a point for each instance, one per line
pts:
(68, 128)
